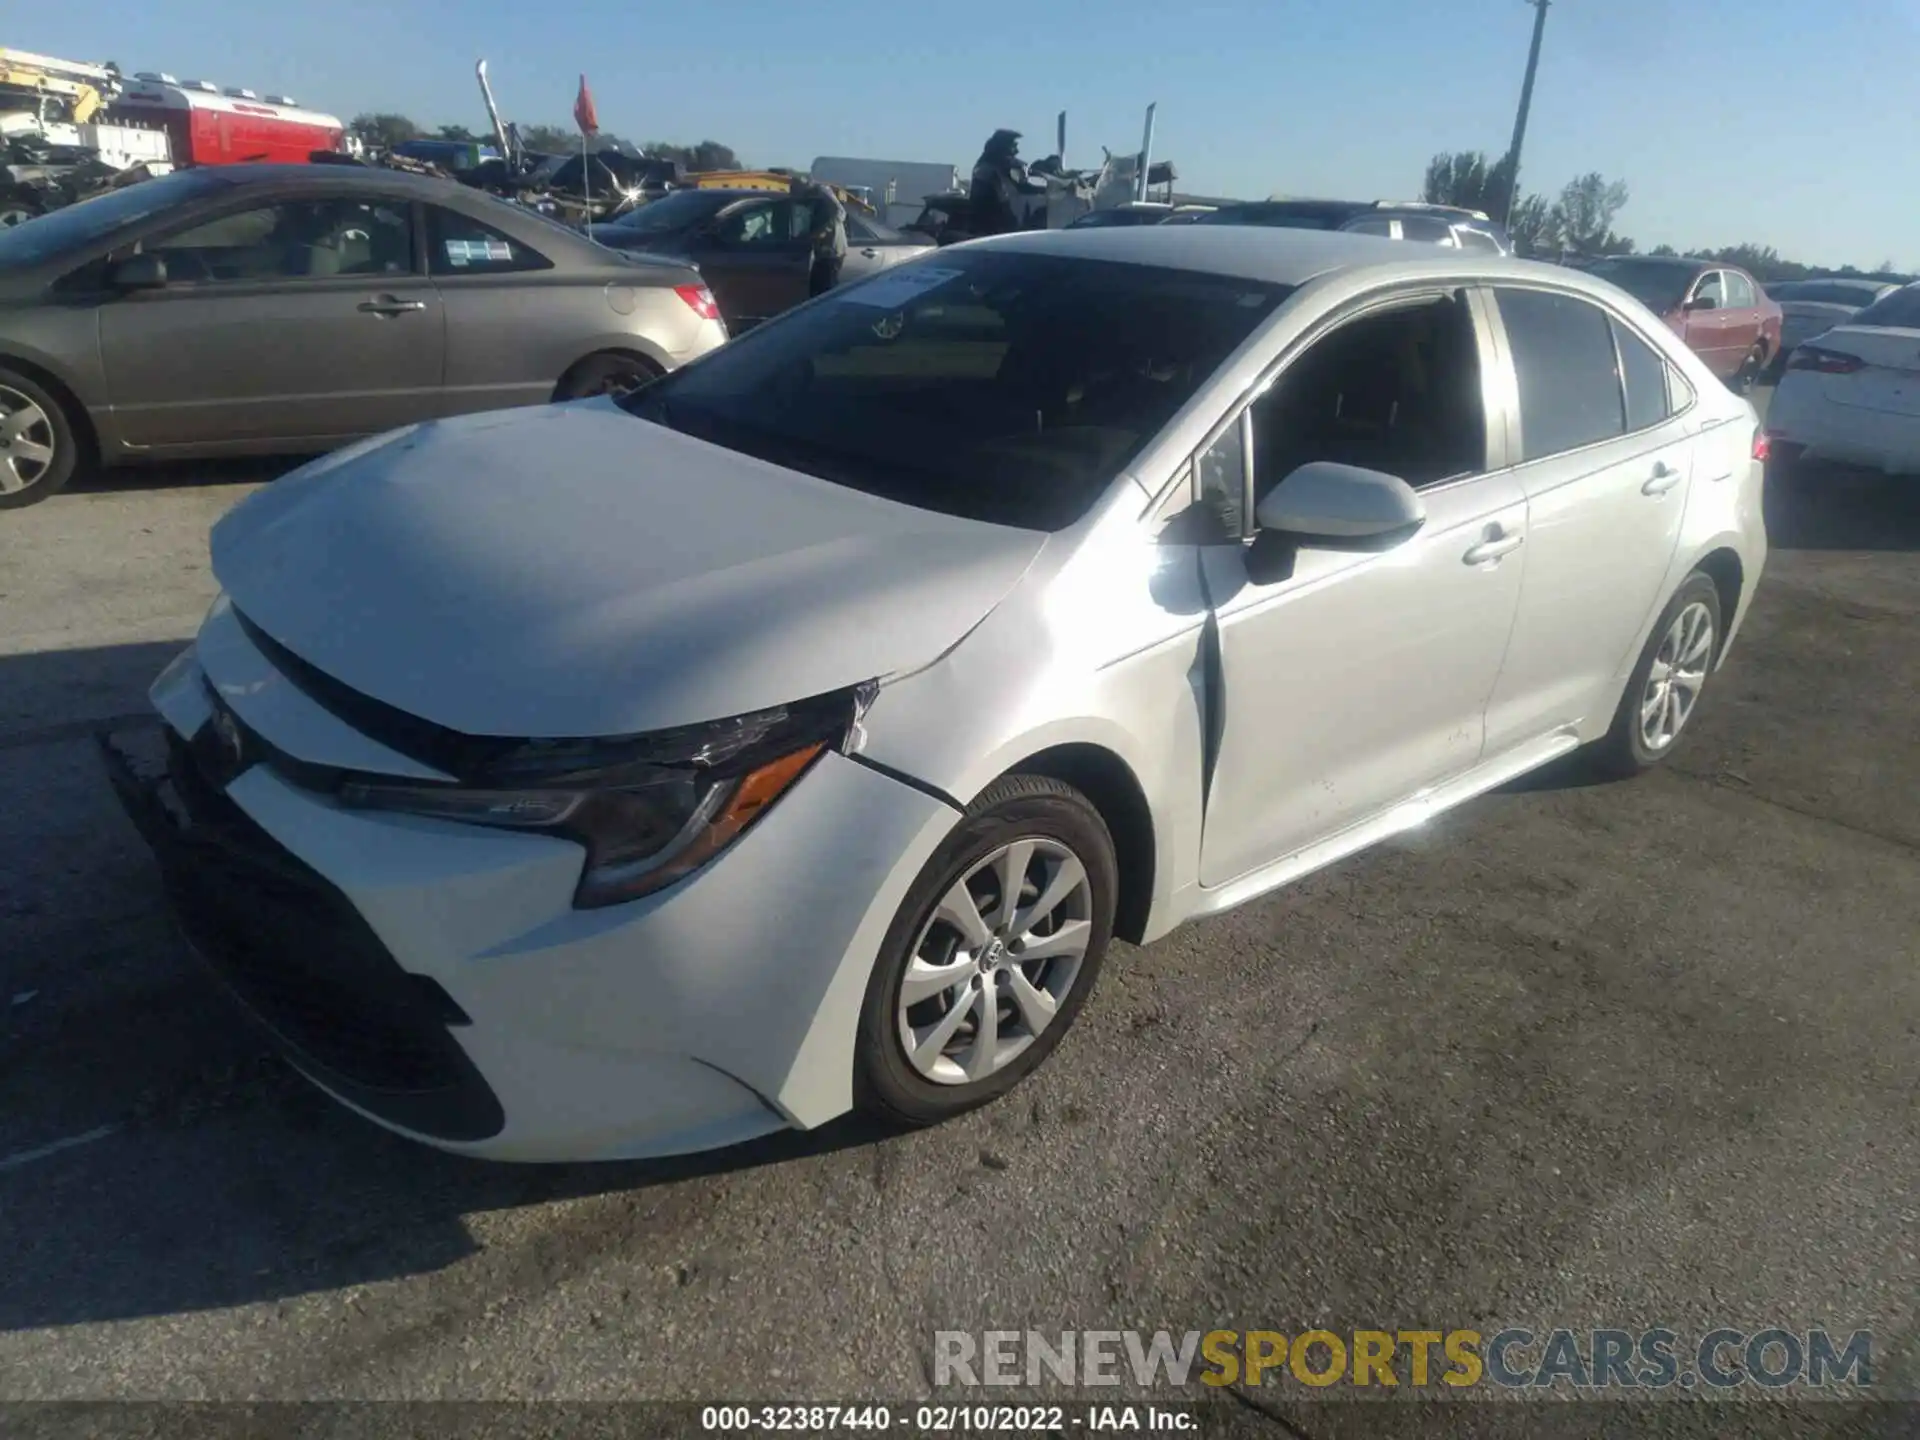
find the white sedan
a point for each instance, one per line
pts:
(633, 777)
(1852, 395)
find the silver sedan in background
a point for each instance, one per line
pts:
(275, 309)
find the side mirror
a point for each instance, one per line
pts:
(138, 272)
(1344, 504)
(1702, 302)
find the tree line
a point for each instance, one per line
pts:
(1579, 221)
(384, 129)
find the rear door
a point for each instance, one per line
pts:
(1605, 464)
(513, 325)
(1743, 314)
(300, 320)
(1706, 322)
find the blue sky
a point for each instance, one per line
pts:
(1794, 123)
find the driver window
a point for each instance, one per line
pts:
(294, 240)
(1711, 289)
(1397, 390)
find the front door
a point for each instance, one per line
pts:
(757, 259)
(1352, 679)
(298, 322)
(1606, 467)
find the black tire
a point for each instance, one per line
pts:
(1624, 750)
(18, 208)
(54, 429)
(1750, 371)
(887, 1086)
(610, 372)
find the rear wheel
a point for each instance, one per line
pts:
(1750, 369)
(38, 448)
(608, 373)
(991, 956)
(1666, 686)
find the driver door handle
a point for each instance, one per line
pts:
(871, 253)
(389, 305)
(1663, 479)
(1493, 547)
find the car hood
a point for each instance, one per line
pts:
(572, 571)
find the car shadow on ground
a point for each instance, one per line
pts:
(186, 474)
(156, 1156)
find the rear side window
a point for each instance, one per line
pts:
(1564, 359)
(1644, 374)
(460, 245)
(1739, 292)
(1472, 239)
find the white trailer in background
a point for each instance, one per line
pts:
(898, 188)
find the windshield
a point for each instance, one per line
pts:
(79, 225)
(999, 386)
(673, 212)
(1657, 284)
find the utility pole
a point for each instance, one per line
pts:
(1526, 104)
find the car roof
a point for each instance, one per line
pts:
(1278, 256)
(371, 177)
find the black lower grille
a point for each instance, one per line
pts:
(294, 949)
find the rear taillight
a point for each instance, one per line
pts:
(1825, 362)
(699, 299)
(1762, 444)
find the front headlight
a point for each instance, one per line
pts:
(649, 809)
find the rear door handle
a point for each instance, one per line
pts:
(1493, 548)
(1663, 479)
(871, 253)
(387, 305)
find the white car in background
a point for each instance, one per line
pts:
(1811, 307)
(633, 777)
(1852, 395)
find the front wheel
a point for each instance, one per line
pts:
(992, 954)
(38, 448)
(1664, 691)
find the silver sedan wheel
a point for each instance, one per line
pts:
(26, 441)
(1678, 674)
(995, 963)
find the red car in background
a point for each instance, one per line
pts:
(1718, 310)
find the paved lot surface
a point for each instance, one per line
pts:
(1642, 1054)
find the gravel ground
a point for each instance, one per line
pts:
(1637, 1055)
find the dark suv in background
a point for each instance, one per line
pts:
(1391, 219)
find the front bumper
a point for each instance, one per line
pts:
(436, 977)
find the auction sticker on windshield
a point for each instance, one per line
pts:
(890, 292)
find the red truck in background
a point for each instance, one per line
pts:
(207, 125)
